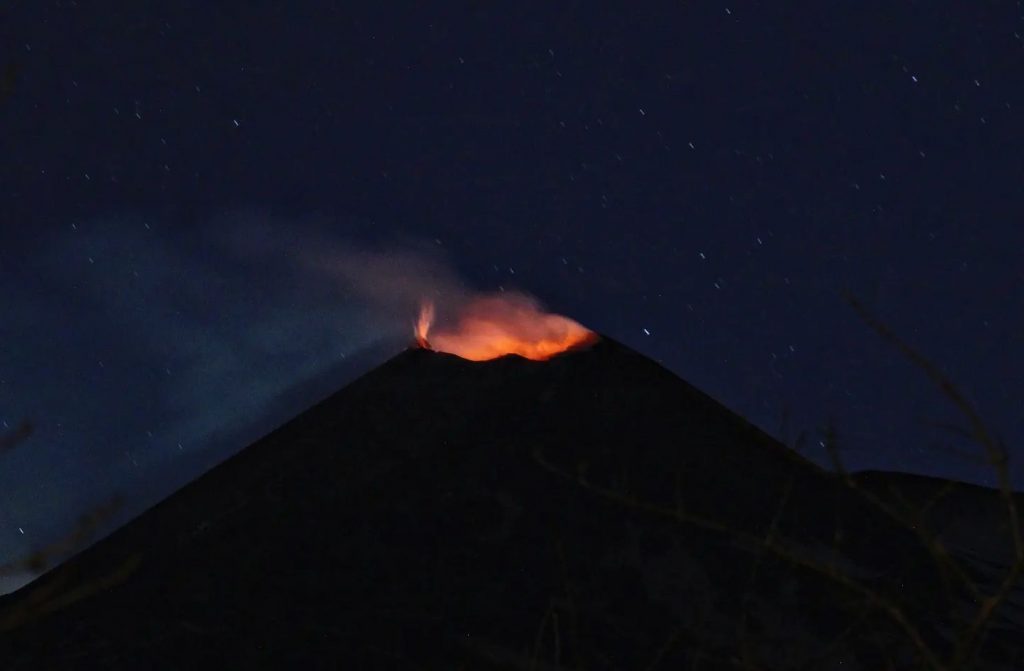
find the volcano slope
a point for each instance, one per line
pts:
(592, 511)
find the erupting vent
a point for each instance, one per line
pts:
(493, 326)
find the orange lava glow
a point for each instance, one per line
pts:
(423, 324)
(493, 326)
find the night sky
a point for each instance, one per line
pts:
(204, 205)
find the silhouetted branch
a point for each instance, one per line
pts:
(994, 450)
(11, 439)
(46, 599)
(898, 508)
(917, 526)
(998, 457)
(892, 610)
(85, 529)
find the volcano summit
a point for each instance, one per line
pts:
(588, 511)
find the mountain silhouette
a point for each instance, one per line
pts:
(591, 511)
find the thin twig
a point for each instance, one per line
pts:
(887, 606)
(998, 458)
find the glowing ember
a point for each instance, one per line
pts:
(493, 326)
(423, 324)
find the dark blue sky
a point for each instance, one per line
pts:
(697, 180)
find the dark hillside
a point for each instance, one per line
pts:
(592, 511)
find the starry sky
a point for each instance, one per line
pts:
(212, 214)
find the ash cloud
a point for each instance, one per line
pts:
(133, 346)
(391, 279)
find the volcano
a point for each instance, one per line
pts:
(587, 511)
